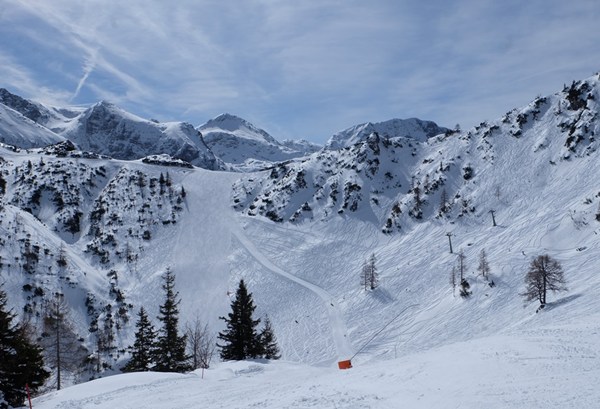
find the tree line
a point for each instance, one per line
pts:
(168, 350)
(23, 365)
(25, 359)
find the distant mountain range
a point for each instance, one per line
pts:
(224, 142)
(107, 130)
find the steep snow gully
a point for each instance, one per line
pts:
(193, 250)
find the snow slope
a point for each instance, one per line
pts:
(17, 130)
(496, 373)
(413, 341)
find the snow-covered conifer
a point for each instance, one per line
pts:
(240, 338)
(170, 347)
(143, 348)
(21, 360)
(270, 350)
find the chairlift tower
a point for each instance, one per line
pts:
(449, 240)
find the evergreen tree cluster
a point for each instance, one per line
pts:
(241, 339)
(21, 361)
(163, 350)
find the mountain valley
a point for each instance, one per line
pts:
(96, 203)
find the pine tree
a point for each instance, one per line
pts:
(241, 340)
(270, 350)
(21, 361)
(143, 349)
(374, 275)
(417, 210)
(170, 348)
(443, 202)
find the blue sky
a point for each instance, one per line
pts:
(298, 69)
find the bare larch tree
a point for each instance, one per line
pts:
(545, 273)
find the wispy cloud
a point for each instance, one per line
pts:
(302, 69)
(20, 79)
(88, 67)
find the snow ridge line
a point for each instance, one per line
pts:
(336, 321)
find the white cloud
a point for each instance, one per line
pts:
(88, 67)
(309, 67)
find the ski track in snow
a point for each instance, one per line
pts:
(198, 251)
(217, 249)
(338, 326)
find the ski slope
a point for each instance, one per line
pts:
(490, 350)
(203, 255)
(336, 320)
(497, 373)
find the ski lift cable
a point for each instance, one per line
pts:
(382, 329)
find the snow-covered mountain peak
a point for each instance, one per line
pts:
(103, 109)
(247, 147)
(109, 130)
(228, 123)
(414, 128)
(104, 103)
